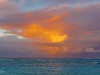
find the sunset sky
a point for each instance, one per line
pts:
(49, 28)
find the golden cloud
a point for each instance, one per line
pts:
(42, 33)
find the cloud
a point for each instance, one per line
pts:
(52, 29)
(86, 20)
(34, 27)
(8, 7)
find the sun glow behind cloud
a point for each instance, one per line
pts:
(41, 33)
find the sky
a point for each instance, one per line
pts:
(49, 28)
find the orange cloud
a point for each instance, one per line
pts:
(52, 48)
(55, 50)
(42, 33)
(47, 29)
(57, 17)
(53, 19)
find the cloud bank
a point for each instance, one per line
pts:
(66, 27)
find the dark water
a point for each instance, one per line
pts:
(50, 67)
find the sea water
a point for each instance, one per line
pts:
(49, 66)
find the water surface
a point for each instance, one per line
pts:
(49, 66)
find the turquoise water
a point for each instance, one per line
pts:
(50, 67)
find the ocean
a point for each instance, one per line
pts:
(49, 66)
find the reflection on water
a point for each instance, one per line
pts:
(50, 67)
